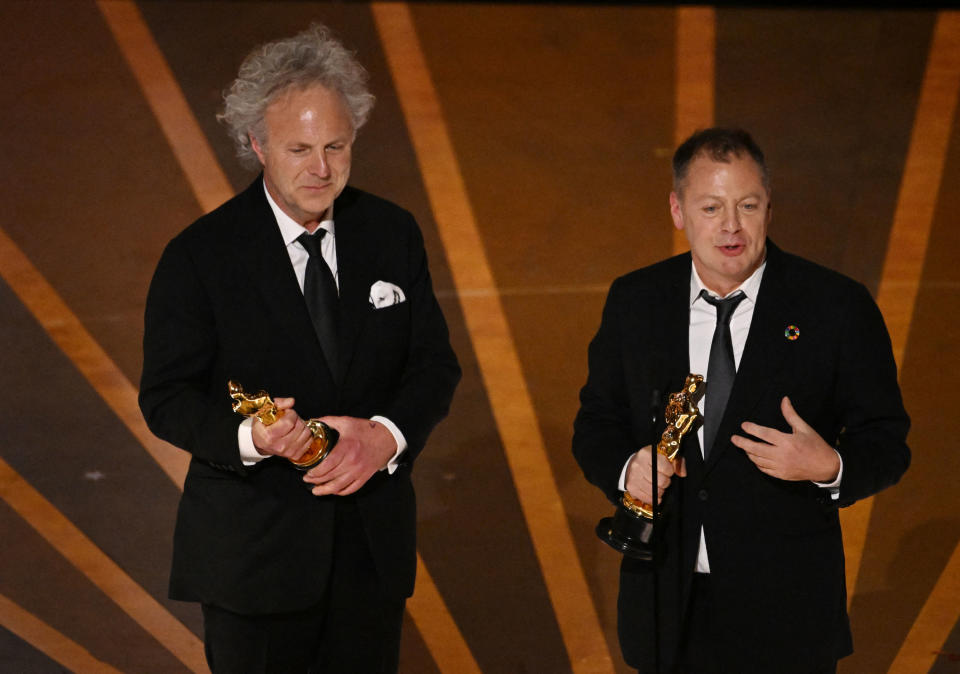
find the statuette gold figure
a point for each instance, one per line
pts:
(261, 406)
(631, 529)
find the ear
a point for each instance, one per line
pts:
(675, 211)
(257, 148)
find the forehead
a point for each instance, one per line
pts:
(311, 106)
(739, 176)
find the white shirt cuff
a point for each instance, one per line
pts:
(248, 451)
(622, 484)
(394, 462)
(833, 486)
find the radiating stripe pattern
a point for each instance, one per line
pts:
(571, 583)
(499, 363)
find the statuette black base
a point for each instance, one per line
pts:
(628, 533)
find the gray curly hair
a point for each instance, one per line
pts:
(312, 57)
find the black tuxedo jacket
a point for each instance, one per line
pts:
(224, 304)
(775, 548)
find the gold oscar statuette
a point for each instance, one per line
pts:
(261, 406)
(630, 530)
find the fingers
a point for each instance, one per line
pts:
(337, 476)
(639, 480)
(769, 435)
(756, 451)
(323, 472)
(283, 403)
(342, 486)
(748, 445)
(288, 437)
(295, 443)
(332, 490)
(682, 467)
(300, 441)
(284, 424)
(797, 424)
(665, 468)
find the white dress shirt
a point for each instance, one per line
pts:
(291, 230)
(703, 323)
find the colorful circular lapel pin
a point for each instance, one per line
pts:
(792, 333)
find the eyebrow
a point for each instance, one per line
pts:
(752, 195)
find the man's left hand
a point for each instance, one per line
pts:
(364, 447)
(799, 455)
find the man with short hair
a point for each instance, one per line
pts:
(319, 294)
(749, 572)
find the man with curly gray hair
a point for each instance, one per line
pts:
(313, 57)
(320, 294)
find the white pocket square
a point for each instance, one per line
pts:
(383, 294)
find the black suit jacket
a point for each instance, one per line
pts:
(775, 548)
(224, 304)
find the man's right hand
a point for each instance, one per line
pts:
(639, 482)
(288, 436)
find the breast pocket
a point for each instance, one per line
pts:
(393, 318)
(387, 333)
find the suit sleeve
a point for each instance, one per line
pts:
(874, 422)
(602, 438)
(180, 348)
(431, 373)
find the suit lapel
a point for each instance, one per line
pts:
(674, 344)
(764, 354)
(355, 264)
(265, 264)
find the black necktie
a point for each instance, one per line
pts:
(320, 293)
(721, 369)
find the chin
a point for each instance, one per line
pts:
(737, 271)
(317, 208)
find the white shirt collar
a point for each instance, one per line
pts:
(750, 287)
(290, 229)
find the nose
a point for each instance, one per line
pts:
(731, 220)
(319, 165)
